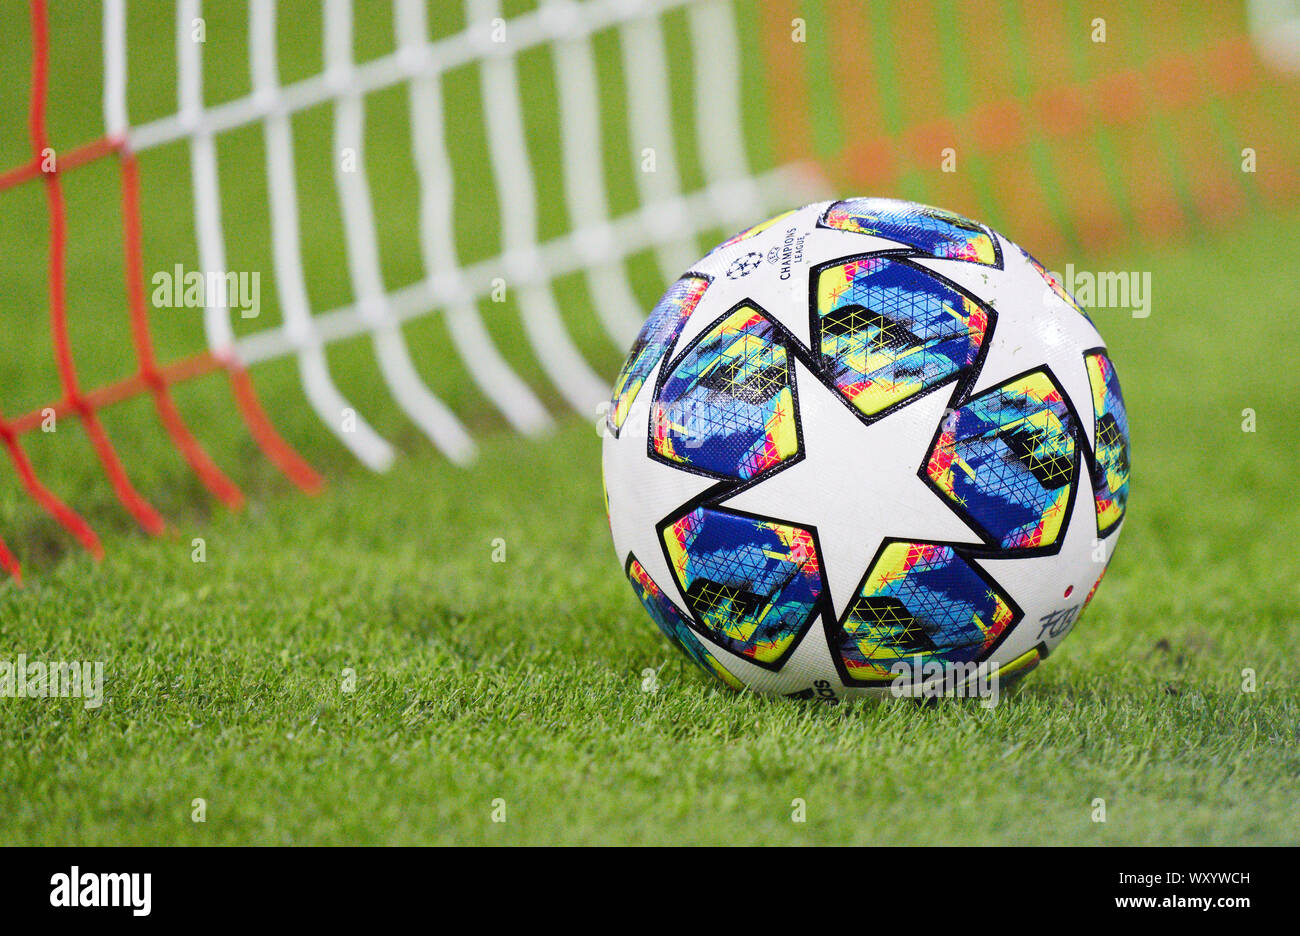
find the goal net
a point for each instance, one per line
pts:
(564, 160)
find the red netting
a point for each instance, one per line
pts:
(1039, 132)
(150, 377)
(1158, 109)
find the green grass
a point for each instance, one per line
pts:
(522, 680)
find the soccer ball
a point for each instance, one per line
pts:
(863, 446)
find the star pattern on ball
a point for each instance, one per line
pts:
(638, 486)
(888, 329)
(1053, 581)
(743, 266)
(857, 484)
(1025, 304)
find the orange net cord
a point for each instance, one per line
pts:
(150, 377)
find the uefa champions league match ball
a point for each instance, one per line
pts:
(867, 446)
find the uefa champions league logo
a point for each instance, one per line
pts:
(743, 266)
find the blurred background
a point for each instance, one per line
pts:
(457, 214)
